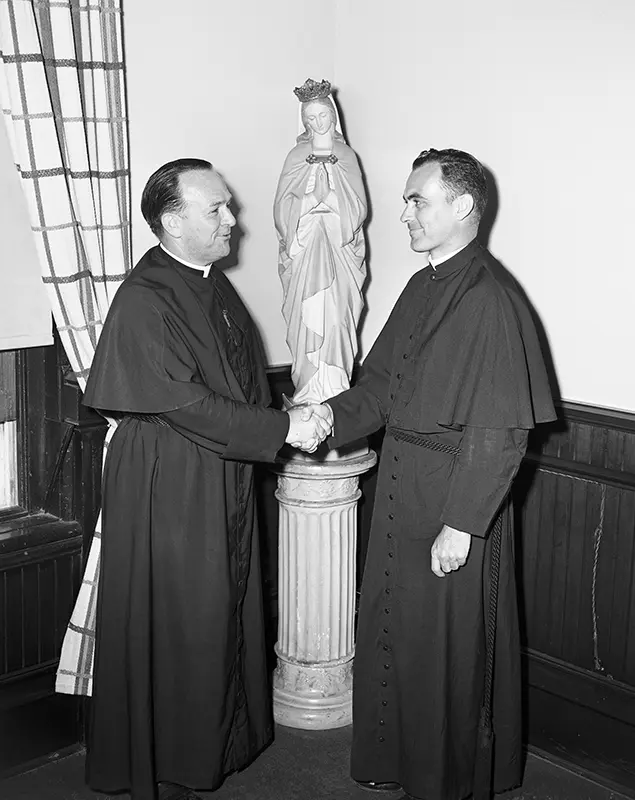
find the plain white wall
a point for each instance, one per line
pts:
(542, 93)
(25, 311)
(215, 80)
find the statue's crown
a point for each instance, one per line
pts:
(312, 90)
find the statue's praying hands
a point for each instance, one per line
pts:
(309, 426)
(322, 187)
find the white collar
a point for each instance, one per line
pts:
(205, 270)
(434, 263)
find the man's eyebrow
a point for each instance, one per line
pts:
(218, 203)
(413, 196)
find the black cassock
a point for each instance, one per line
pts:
(457, 367)
(180, 682)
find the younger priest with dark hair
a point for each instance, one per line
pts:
(458, 379)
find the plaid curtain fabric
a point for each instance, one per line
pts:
(62, 88)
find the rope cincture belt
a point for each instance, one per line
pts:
(155, 418)
(411, 437)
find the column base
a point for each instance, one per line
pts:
(313, 696)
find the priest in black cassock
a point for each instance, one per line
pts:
(180, 684)
(458, 379)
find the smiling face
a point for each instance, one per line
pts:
(204, 225)
(434, 222)
(317, 117)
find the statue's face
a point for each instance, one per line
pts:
(318, 118)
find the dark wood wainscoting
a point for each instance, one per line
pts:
(40, 571)
(575, 503)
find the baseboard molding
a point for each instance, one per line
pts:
(37, 732)
(41, 761)
(581, 720)
(619, 789)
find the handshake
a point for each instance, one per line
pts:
(309, 426)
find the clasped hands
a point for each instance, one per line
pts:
(309, 426)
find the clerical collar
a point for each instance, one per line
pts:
(434, 262)
(205, 270)
(454, 262)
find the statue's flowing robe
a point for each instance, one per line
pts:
(322, 268)
(180, 684)
(458, 365)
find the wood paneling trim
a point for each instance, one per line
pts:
(598, 416)
(27, 685)
(589, 472)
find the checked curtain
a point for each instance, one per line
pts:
(62, 89)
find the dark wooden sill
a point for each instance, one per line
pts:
(33, 530)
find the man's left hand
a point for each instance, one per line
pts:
(449, 551)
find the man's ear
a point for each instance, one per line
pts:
(463, 206)
(171, 224)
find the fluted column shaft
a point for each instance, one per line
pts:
(316, 590)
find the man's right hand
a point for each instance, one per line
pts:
(325, 412)
(449, 551)
(309, 426)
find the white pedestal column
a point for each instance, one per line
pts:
(312, 685)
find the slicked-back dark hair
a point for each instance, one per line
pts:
(162, 192)
(461, 174)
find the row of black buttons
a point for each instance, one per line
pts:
(387, 610)
(399, 375)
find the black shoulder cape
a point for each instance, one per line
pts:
(160, 349)
(482, 345)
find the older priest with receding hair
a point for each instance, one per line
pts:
(181, 696)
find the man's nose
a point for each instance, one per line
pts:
(406, 214)
(228, 218)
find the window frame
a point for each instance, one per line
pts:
(48, 404)
(30, 416)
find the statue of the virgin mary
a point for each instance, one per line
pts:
(319, 211)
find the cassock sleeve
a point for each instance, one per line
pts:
(364, 409)
(236, 431)
(482, 475)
